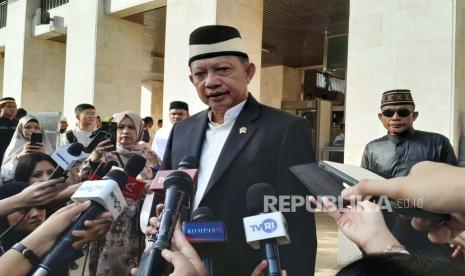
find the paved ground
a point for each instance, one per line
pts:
(326, 259)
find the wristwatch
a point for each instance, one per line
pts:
(27, 253)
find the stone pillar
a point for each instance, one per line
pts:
(182, 18)
(418, 45)
(280, 83)
(34, 68)
(81, 48)
(104, 60)
(2, 67)
(14, 49)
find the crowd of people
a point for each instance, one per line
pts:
(238, 142)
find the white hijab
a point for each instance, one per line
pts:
(18, 141)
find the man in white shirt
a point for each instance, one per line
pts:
(86, 116)
(240, 142)
(178, 111)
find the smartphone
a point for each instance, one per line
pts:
(106, 132)
(327, 178)
(36, 138)
(351, 175)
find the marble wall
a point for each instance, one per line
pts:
(247, 16)
(2, 66)
(43, 75)
(119, 65)
(417, 45)
(398, 44)
(280, 83)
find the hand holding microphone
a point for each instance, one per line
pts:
(261, 269)
(208, 236)
(66, 157)
(177, 186)
(181, 255)
(41, 239)
(105, 195)
(94, 229)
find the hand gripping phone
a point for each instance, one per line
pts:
(330, 178)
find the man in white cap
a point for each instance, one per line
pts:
(178, 111)
(240, 142)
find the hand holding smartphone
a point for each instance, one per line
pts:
(327, 178)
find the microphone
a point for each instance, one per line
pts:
(105, 195)
(188, 164)
(103, 169)
(178, 186)
(66, 157)
(265, 230)
(206, 235)
(134, 187)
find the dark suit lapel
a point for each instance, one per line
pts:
(241, 133)
(196, 136)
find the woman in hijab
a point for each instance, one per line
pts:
(20, 145)
(123, 245)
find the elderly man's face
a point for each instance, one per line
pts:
(399, 122)
(221, 82)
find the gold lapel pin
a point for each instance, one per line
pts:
(243, 130)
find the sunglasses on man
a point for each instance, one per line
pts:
(403, 112)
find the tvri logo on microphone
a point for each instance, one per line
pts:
(268, 226)
(290, 203)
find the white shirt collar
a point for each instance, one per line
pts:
(230, 115)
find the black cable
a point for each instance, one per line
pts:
(14, 225)
(85, 261)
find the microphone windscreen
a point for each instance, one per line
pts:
(203, 213)
(189, 162)
(76, 149)
(135, 165)
(119, 176)
(255, 197)
(181, 180)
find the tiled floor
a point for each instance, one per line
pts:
(326, 259)
(326, 256)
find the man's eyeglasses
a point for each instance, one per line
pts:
(403, 112)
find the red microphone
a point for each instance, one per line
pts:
(134, 187)
(188, 164)
(102, 170)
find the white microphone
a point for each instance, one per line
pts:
(66, 157)
(266, 226)
(105, 195)
(265, 230)
(105, 192)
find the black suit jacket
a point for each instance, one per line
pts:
(274, 140)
